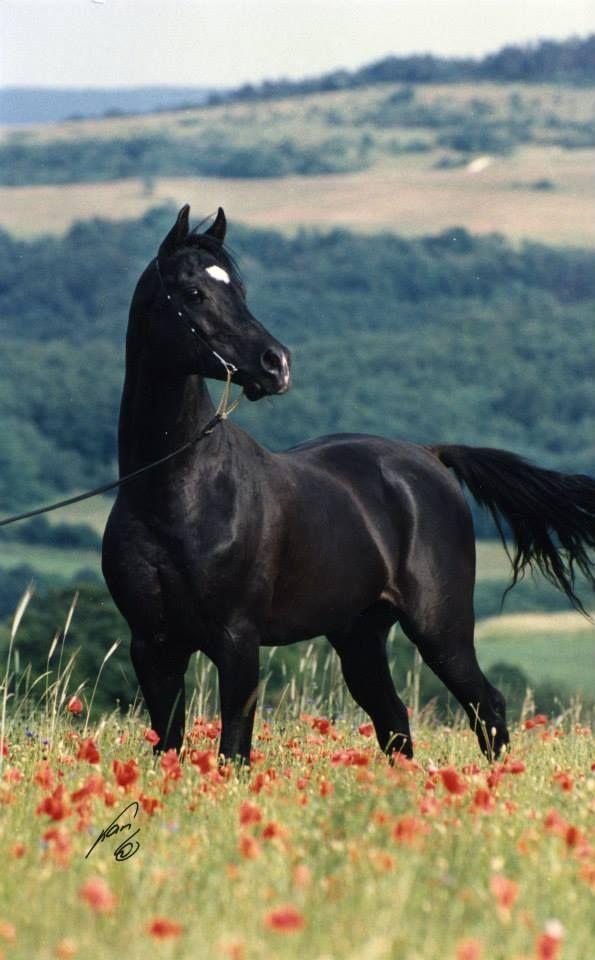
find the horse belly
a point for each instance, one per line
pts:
(334, 567)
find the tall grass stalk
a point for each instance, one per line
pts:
(18, 616)
(109, 653)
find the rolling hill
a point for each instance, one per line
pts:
(509, 158)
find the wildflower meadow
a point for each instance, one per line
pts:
(320, 850)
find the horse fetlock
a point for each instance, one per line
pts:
(399, 744)
(493, 740)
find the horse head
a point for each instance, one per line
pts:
(196, 317)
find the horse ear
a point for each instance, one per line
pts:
(218, 228)
(177, 234)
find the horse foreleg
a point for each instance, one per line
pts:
(160, 673)
(237, 662)
(366, 671)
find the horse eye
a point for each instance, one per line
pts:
(194, 295)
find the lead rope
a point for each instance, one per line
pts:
(223, 411)
(224, 408)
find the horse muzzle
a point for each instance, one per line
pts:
(274, 376)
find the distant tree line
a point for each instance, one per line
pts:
(89, 159)
(569, 61)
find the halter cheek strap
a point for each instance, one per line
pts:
(229, 367)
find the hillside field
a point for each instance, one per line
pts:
(526, 170)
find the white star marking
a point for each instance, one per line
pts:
(218, 273)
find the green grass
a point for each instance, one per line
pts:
(53, 561)
(375, 862)
(556, 647)
(93, 512)
(320, 850)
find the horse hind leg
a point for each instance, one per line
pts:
(363, 656)
(443, 633)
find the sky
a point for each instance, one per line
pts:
(223, 43)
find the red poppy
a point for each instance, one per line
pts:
(8, 931)
(203, 760)
(452, 781)
(573, 836)
(162, 928)
(286, 919)
(351, 758)
(249, 813)
(273, 831)
(483, 800)
(44, 777)
(75, 705)
(555, 822)
(549, 943)
(469, 949)
(234, 949)
(98, 895)
(538, 720)
(125, 772)
(151, 737)
(170, 764)
(249, 847)
(59, 845)
(93, 785)
(12, 775)
(302, 875)
(322, 724)
(504, 891)
(149, 804)
(260, 781)
(55, 806)
(366, 729)
(564, 781)
(515, 766)
(65, 949)
(408, 829)
(88, 751)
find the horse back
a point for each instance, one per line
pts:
(355, 511)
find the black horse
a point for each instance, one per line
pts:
(227, 547)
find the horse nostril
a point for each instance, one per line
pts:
(272, 361)
(275, 362)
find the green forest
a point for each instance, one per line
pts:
(445, 338)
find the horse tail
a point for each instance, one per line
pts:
(550, 515)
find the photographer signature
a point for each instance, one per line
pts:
(128, 847)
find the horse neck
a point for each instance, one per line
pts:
(159, 412)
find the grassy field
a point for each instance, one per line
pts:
(556, 647)
(47, 560)
(321, 851)
(400, 190)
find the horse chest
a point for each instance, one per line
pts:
(169, 571)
